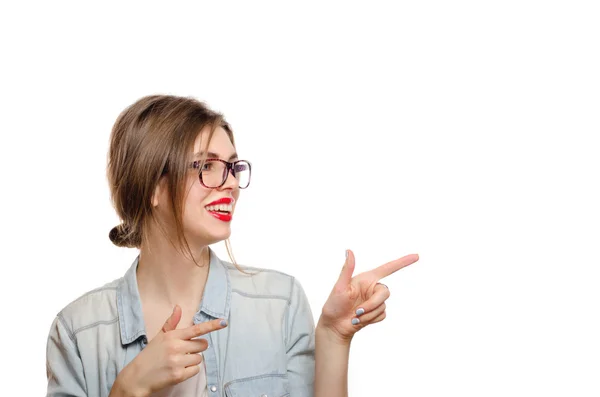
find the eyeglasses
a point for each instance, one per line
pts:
(214, 172)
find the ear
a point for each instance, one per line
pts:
(158, 192)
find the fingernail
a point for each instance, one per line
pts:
(360, 311)
(346, 254)
(223, 323)
(355, 321)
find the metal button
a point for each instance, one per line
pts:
(213, 388)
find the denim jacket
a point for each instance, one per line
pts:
(266, 350)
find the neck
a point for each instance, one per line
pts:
(166, 277)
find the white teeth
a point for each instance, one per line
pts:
(220, 207)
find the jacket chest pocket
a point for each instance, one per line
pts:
(258, 386)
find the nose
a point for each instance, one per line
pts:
(231, 182)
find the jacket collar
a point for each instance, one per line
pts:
(215, 301)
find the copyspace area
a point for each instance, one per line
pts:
(463, 131)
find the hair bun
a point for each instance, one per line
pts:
(120, 236)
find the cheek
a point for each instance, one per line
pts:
(196, 198)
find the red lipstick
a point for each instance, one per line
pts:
(222, 200)
(222, 216)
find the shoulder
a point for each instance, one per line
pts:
(97, 306)
(261, 282)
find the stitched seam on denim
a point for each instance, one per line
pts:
(137, 335)
(285, 325)
(226, 311)
(128, 339)
(287, 313)
(228, 301)
(292, 287)
(64, 323)
(121, 312)
(76, 347)
(107, 322)
(283, 376)
(213, 314)
(102, 289)
(285, 298)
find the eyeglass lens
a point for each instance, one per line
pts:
(214, 173)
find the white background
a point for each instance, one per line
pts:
(464, 131)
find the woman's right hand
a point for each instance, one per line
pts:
(170, 358)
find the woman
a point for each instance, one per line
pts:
(181, 321)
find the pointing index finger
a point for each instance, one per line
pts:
(395, 265)
(202, 328)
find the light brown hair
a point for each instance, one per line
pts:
(151, 138)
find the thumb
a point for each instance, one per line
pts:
(173, 320)
(347, 270)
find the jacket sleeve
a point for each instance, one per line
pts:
(64, 368)
(300, 344)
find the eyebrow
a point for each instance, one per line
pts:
(234, 156)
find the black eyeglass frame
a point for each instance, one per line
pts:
(229, 167)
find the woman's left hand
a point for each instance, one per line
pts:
(356, 302)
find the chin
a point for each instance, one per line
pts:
(208, 230)
(219, 238)
(207, 237)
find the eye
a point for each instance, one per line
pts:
(241, 167)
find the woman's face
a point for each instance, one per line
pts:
(201, 221)
(202, 225)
